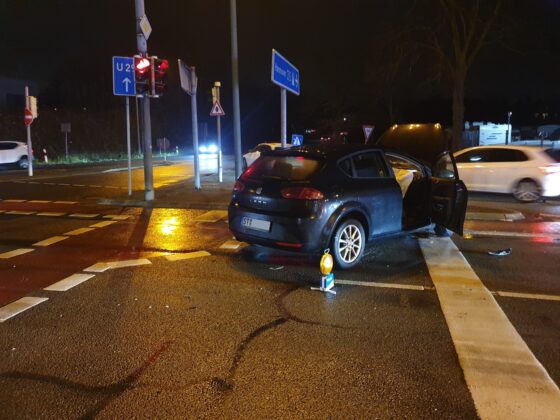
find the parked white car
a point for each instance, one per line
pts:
(254, 153)
(13, 152)
(528, 173)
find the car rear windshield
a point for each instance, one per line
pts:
(554, 154)
(285, 168)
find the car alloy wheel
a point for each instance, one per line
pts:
(23, 163)
(349, 243)
(527, 191)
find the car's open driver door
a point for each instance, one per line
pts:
(449, 195)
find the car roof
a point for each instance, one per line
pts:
(327, 150)
(528, 149)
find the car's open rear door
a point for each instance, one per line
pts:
(449, 195)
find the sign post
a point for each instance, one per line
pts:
(285, 75)
(28, 119)
(189, 82)
(218, 112)
(65, 128)
(124, 84)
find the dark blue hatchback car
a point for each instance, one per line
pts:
(342, 196)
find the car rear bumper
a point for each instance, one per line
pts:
(290, 233)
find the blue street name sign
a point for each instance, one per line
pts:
(124, 82)
(284, 74)
(297, 139)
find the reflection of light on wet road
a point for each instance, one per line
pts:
(169, 225)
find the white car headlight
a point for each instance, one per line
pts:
(212, 148)
(202, 149)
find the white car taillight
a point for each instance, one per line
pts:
(553, 168)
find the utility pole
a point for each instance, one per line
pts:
(28, 126)
(142, 45)
(283, 117)
(235, 88)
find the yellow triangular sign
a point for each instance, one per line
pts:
(217, 110)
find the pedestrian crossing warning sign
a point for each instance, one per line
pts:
(217, 110)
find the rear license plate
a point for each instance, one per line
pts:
(263, 225)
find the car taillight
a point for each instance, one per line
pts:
(301, 193)
(553, 168)
(238, 187)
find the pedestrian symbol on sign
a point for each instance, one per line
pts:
(297, 139)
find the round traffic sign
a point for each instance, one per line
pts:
(28, 117)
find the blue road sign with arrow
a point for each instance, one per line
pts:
(297, 139)
(284, 73)
(124, 82)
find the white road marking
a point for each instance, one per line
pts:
(505, 379)
(49, 183)
(231, 244)
(33, 182)
(84, 215)
(116, 216)
(78, 231)
(15, 253)
(66, 185)
(528, 296)
(382, 285)
(510, 234)
(69, 282)
(14, 201)
(65, 202)
(111, 186)
(211, 216)
(187, 256)
(21, 213)
(50, 241)
(78, 185)
(96, 186)
(40, 201)
(19, 306)
(103, 224)
(104, 266)
(49, 214)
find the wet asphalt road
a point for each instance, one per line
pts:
(239, 333)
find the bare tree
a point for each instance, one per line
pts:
(466, 27)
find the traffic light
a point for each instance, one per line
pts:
(142, 73)
(159, 72)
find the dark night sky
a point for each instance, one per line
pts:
(66, 45)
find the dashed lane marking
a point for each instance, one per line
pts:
(211, 216)
(78, 185)
(17, 307)
(50, 214)
(84, 215)
(50, 241)
(528, 296)
(14, 201)
(65, 202)
(382, 285)
(504, 377)
(116, 216)
(188, 255)
(103, 224)
(69, 282)
(15, 253)
(78, 231)
(491, 233)
(39, 201)
(231, 244)
(20, 213)
(104, 266)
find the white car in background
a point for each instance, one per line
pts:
(529, 173)
(13, 152)
(254, 153)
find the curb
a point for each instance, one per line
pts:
(168, 205)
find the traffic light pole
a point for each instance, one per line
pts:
(235, 87)
(29, 145)
(142, 45)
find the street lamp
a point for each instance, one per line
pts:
(508, 131)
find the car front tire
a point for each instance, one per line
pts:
(23, 163)
(348, 244)
(527, 191)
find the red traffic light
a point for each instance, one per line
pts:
(141, 65)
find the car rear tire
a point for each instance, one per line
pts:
(23, 163)
(527, 191)
(348, 244)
